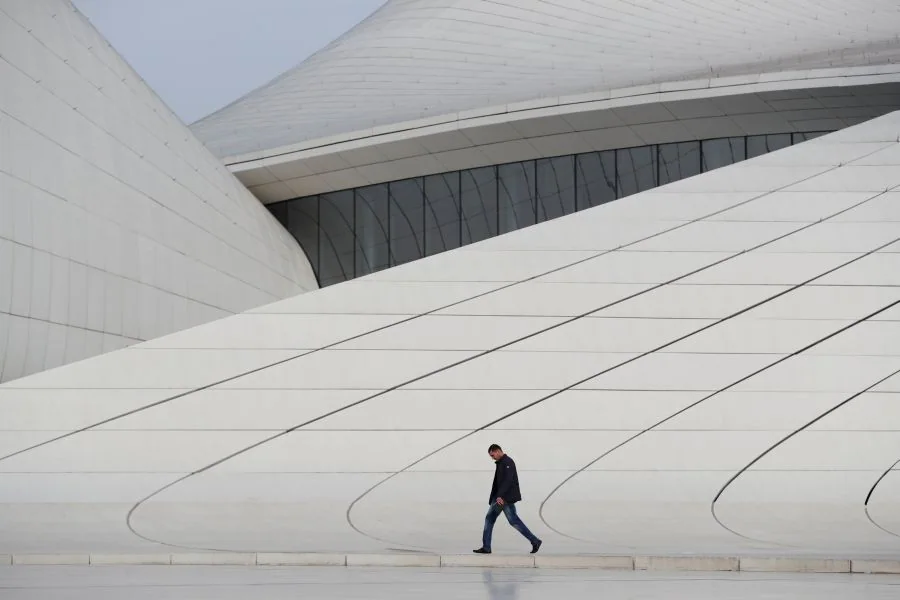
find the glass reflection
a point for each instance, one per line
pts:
(407, 217)
(479, 204)
(372, 229)
(442, 212)
(757, 145)
(635, 170)
(799, 138)
(336, 245)
(351, 233)
(516, 202)
(722, 152)
(596, 178)
(677, 161)
(555, 187)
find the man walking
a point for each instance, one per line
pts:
(504, 495)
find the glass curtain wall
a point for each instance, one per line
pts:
(352, 233)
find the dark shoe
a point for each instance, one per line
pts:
(536, 546)
(482, 551)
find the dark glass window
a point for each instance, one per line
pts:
(372, 229)
(336, 238)
(479, 204)
(596, 178)
(635, 170)
(354, 232)
(757, 145)
(407, 220)
(722, 152)
(303, 223)
(677, 161)
(442, 224)
(516, 203)
(555, 187)
(279, 211)
(810, 135)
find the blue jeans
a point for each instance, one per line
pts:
(510, 511)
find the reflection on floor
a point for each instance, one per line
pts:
(226, 583)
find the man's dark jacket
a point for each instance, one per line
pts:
(506, 481)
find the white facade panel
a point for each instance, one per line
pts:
(430, 86)
(636, 389)
(116, 225)
(429, 58)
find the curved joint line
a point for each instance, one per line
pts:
(630, 360)
(869, 516)
(446, 367)
(731, 385)
(771, 448)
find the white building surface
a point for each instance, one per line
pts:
(708, 366)
(116, 225)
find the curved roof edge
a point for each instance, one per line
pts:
(658, 113)
(419, 59)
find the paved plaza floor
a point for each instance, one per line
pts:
(233, 583)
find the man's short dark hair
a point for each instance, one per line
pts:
(495, 447)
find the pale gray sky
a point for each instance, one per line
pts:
(199, 55)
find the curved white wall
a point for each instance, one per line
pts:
(116, 224)
(823, 99)
(633, 358)
(432, 86)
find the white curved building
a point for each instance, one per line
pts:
(116, 225)
(434, 116)
(427, 59)
(709, 366)
(431, 86)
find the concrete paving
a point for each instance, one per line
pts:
(227, 583)
(683, 562)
